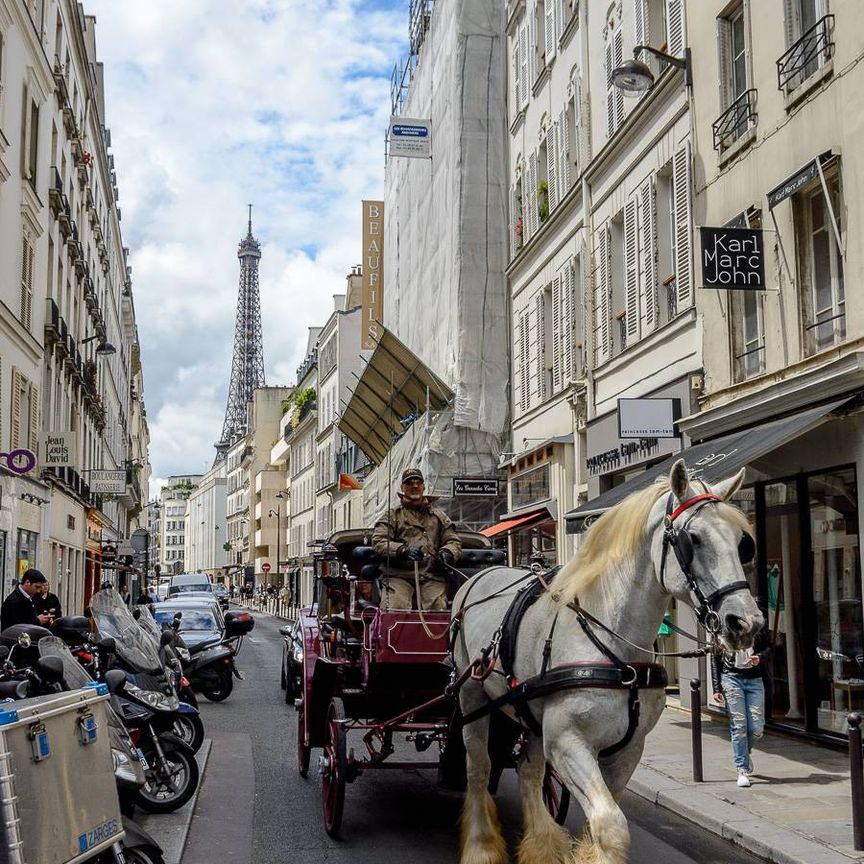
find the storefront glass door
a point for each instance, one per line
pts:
(836, 565)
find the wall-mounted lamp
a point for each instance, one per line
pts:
(34, 499)
(103, 349)
(634, 77)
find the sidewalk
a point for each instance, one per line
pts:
(798, 810)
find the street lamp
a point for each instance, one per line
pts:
(278, 514)
(634, 77)
(104, 348)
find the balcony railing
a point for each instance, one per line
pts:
(735, 120)
(809, 53)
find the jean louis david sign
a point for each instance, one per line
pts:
(410, 138)
(733, 258)
(58, 449)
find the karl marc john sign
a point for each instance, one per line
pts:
(733, 258)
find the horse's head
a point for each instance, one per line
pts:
(701, 547)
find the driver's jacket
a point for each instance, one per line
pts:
(428, 528)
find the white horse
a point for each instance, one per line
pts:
(669, 539)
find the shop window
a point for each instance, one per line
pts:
(820, 264)
(748, 334)
(26, 552)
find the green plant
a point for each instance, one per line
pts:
(543, 201)
(286, 405)
(304, 397)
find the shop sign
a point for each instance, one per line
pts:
(373, 273)
(480, 488)
(107, 482)
(410, 138)
(648, 418)
(792, 185)
(623, 454)
(58, 449)
(733, 258)
(19, 461)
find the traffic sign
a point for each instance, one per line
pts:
(265, 567)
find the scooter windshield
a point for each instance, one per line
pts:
(136, 647)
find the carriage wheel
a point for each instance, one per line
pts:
(334, 765)
(304, 751)
(556, 796)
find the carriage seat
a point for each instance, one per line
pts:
(481, 558)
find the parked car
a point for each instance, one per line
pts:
(220, 592)
(184, 582)
(292, 661)
(200, 620)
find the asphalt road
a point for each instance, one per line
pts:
(255, 809)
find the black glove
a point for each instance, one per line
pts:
(412, 553)
(446, 557)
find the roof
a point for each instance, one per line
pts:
(394, 386)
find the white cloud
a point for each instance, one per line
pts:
(213, 104)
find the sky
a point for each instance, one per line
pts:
(213, 105)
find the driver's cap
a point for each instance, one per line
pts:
(412, 474)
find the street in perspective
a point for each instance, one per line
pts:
(430, 430)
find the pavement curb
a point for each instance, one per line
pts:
(171, 830)
(759, 836)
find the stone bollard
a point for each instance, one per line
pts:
(856, 779)
(696, 727)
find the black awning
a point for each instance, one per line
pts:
(711, 460)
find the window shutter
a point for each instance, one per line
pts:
(618, 60)
(631, 273)
(533, 216)
(524, 377)
(790, 23)
(15, 412)
(565, 278)
(602, 300)
(33, 443)
(681, 204)
(523, 64)
(724, 61)
(532, 50)
(552, 146)
(675, 27)
(549, 35)
(648, 253)
(563, 156)
(614, 95)
(26, 311)
(517, 76)
(640, 13)
(512, 222)
(559, 18)
(558, 327)
(583, 126)
(610, 95)
(539, 348)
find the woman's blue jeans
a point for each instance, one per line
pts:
(745, 701)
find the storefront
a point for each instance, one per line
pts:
(802, 496)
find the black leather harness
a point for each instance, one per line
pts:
(611, 674)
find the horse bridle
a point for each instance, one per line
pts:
(681, 542)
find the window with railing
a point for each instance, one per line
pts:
(735, 120)
(811, 50)
(748, 334)
(737, 97)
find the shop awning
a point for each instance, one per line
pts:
(711, 460)
(395, 388)
(525, 521)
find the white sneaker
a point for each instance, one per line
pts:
(743, 779)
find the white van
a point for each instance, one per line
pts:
(184, 582)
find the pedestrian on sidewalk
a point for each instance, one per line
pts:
(740, 675)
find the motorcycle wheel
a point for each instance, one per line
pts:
(223, 690)
(143, 855)
(190, 730)
(161, 794)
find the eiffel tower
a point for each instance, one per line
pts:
(247, 365)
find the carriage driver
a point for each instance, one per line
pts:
(415, 532)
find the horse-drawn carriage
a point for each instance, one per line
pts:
(579, 688)
(373, 677)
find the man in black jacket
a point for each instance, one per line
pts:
(18, 607)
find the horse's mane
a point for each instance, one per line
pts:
(616, 538)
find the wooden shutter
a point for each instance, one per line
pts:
(724, 61)
(602, 298)
(618, 60)
(614, 95)
(512, 218)
(26, 310)
(539, 348)
(532, 49)
(610, 94)
(681, 204)
(552, 147)
(549, 37)
(15, 411)
(533, 216)
(648, 253)
(517, 70)
(558, 326)
(566, 278)
(790, 21)
(675, 27)
(523, 64)
(563, 155)
(33, 443)
(640, 14)
(631, 273)
(583, 127)
(523, 362)
(559, 18)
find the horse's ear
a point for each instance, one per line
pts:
(725, 489)
(679, 481)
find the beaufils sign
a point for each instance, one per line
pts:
(373, 272)
(733, 258)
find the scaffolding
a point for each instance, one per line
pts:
(419, 18)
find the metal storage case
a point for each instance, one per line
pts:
(58, 798)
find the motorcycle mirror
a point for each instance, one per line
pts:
(50, 669)
(116, 680)
(178, 616)
(107, 644)
(24, 640)
(166, 639)
(136, 613)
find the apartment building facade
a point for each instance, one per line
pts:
(173, 503)
(205, 528)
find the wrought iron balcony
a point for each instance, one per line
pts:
(55, 192)
(809, 53)
(735, 120)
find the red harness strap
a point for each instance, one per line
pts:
(690, 502)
